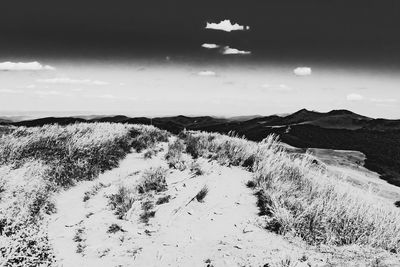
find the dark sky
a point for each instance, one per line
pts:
(145, 57)
(375, 23)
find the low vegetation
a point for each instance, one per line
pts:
(36, 162)
(201, 195)
(122, 201)
(174, 155)
(195, 168)
(163, 200)
(300, 198)
(93, 191)
(153, 179)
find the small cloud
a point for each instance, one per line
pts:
(354, 97)
(42, 93)
(383, 100)
(24, 66)
(233, 51)
(207, 73)
(278, 88)
(31, 86)
(71, 81)
(10, 91)
(302, 71)
(227, 26)
(210, 46)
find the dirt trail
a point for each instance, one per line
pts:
(223, 230)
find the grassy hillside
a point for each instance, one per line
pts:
(300, 198)
(36, 162)
(297, 196)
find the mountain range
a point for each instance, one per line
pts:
(378, 139)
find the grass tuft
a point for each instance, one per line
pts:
(202, 194)
(163, 200)
(153, 179)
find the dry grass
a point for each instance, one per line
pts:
(153, 179)
(174, 155)
(201, 195)
(122, 201)
(36, 162)
(301, 198)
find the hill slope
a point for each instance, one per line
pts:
(378, 139)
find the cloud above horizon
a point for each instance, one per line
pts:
(61, 80)
(24, 66)
(42, 93)
(302, 71)
(233, 51)
(283, 88)
(227, 26)
(210, 46)
(354, 97)
(207, 73)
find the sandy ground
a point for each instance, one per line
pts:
(223, 230)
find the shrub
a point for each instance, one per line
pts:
(113, 228)
(145, 136)
(122, 201)
(148, 213)
(153, 179)
(196, 169)
(174, 155)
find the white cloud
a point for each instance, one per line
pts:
(109, 96)
(207, 73)
(50, 93)
(31, 86)
(383, 100)
(11, 91)
(24, 66)
(71, 81)
(233, 51)
(227, 26)
(278, 88)
(354, 97)
(210, 46)
(302, 71)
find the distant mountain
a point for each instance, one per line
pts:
(244, 118)
(378, 139)
(5, 120)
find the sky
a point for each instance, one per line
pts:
(224, 59)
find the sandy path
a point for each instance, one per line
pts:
(223, 230)
(73, 213)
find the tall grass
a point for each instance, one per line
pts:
(301, 197)
(36, 162)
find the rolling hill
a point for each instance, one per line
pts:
(378, 139)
